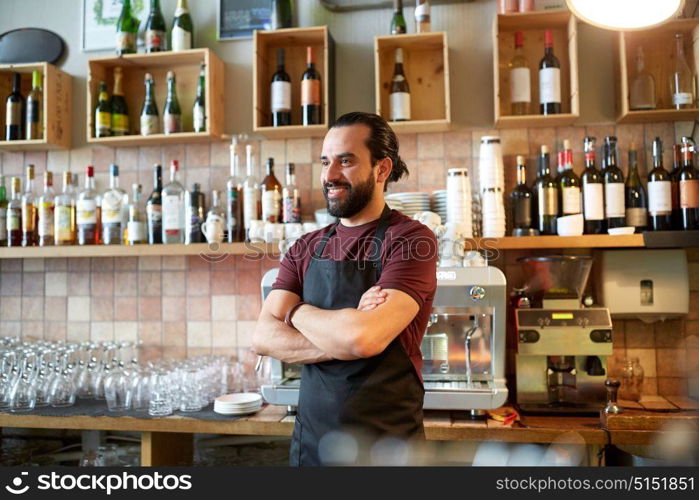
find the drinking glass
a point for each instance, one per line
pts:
(23, 394)
(117, 390)
(190, 390)
(160, 403)
(62, 390)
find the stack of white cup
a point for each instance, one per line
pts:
(459, 200)
(491, 172)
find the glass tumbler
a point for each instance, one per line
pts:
(160, 403)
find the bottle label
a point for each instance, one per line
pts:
(281, 96)
(111, 214)
(28, 217)
(549, 85)
(250, 199)
(522, 212)
(125, 41)
(520, 85)
(171, 213)
(614, 200)
(593, 199)
(400, 106)
(192, 221)
(571, 200)
(689, 194)
(271, 200)
(310, 92)
(291, 207)
(198, 119)
(136, 231)
(636, 216)
(120, 123)
(155, 40)
(63, 218)
(14, 218)
(46, 219)
(680, 98)
(3, 223)
(172, 123)
(13, 113)
(659, 197)
(86, 212)
(104, 120)
(181, 39)
(154, 214)
(547, 201)
(422, 12)
(149, 124)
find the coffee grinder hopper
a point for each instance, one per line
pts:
(557, 281)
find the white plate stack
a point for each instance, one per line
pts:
(491, 172)
(459, 199)
(394, 204)
(243, 403)
(412, 202)
(439, 203)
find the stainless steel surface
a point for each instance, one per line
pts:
(556, 276)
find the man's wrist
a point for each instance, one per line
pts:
(290, 313)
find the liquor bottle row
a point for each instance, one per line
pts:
(280, 93)
(112, 114)
(171, 214)
(23, 117)
(155, 30)
(669, 201)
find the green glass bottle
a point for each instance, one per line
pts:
(126, 30)
(103, 113)
(182, 33)
(155, 30)
(120, 111)
(34, 113)
(398, 25)
(199, 111)
(3, 212)
(172, 114)
(282, 14)
(149, 112)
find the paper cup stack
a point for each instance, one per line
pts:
(492, 187)
(459, 199)
(238, 404)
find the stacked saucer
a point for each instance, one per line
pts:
(242, 403)
(412, 202)
(439, 203)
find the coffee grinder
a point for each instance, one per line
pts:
(562, 347)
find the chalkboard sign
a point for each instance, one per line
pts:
(238, 18)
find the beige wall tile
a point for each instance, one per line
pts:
(56, 264)
(150, 333)
(149, 283)
(174, 263)
(199, 308)
(11, 284)
(126, 331)
(11, 265)
(672, 386)
(55, 308)
(56, 284)
(102, 309)
(223, 308)
(271, 149)
(102, 284)
(174, 308)
(175, 333)
(224, 333)
(198, 334)
(430, 145)
(127, 159)
(297, 151)
(126, 284)
(126, 263)
(149, 308)
(639, 335)
(78, 283)
(36, 265)
(32, 330)
(173, 283)
(102, 264)
(11, 328)
(101, 331)
(78, 331)
(150, 263)
(32, 308)
(10, 308)
(198, 283)
(78, 309)
(671, 362)
(126, 308)
(33, 284)
(55, 331)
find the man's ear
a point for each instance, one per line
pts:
(383, 170)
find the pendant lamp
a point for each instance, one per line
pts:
(625, 15)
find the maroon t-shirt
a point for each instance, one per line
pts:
(408, 259)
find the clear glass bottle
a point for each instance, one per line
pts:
(642, 90)
(113, 210)
(251, 191)
(64, 213)
(291, 197)
(271, 193)
(14, 214)
(29, 212)
(234, 199)
(86, 207)
(173, 208)
(681, 79)
(46, 206)
(136, 226)
(520, 79)
(422, 16)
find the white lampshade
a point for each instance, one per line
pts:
(625, 14)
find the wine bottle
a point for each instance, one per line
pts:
(234, 199)
(642, 91)
(398, 25)
(614, 209)
(520, 79)
(182, 33)
(114, 210)
(194, 213)
(545, 195)
(136, 224)
(689, 187)
(154, 208)
(172, 114)
(103, 113)
(120, 110)
(291, 198)
(271, 194)
(636, 200)
(3, 212)
(400, 91)
(682, 79)
(282, 14)
(64, 213)
(34, 113)
(199, 111)
(675, 186)
(14, 111)
(549, 79)
(521, 200)
(86, 207)
(569, 184)
(45, 212)
(155, 30)
(422, 16)
(14, 213)
(659, 192)
(281, 94)
(592, 190)
(251, 192)
(149, 113)
(310, 91)
(173, 208)
(126, 30)
(29, 209)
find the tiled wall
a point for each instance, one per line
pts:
(186, 305)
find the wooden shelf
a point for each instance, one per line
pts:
(565, 42)
(214, 255)
(56, 106)
(292, 131)
(659, 52)
(186, 66)
(556, 242)
(426, 65)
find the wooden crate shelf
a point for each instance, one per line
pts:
(565, 42)
(659, 50)
(186, 65)
(294, 42)
(57, 105)
(557, 242)
(426, 65)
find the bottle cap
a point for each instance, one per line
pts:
(544, 149)
(114, 169)
(174, 164)
(29, 171)
(170, 74)
(548, 38)
(148, 77)
(90, 171)
(48, 178)
(566, 144)
(520, 160)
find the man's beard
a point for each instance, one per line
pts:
(357, 198)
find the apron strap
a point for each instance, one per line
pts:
(319, 249)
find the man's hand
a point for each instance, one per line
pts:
(371, 299)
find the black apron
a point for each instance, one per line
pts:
(370, 397)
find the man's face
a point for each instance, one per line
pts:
(347, 176)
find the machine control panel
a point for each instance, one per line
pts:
(477, 292)
(601, 336)
(552, 318)
(528, 336)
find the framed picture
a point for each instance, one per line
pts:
(236, 19)
(99, 22)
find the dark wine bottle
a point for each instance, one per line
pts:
(172, 114)
(568, 184)
(399, 96)
(281, 94)
(689, 187)
(635, 194)
(398, 25)
(521, 200)
(282, 14)
(149, 112)
(592, 190)
(182, 33)
(199, 110)
(155, 30)
(154, 208)
(545, 195)
(103, 113)
(614, 208)
(126, 30)
(549, 79)
(310, 91)
(271, 195)
(14, 111)
(675, 186)
(120, 110)
(194, 214)
(659, 192)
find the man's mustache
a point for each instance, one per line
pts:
(329, 185)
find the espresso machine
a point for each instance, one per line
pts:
(562, 347)
(463, 348)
